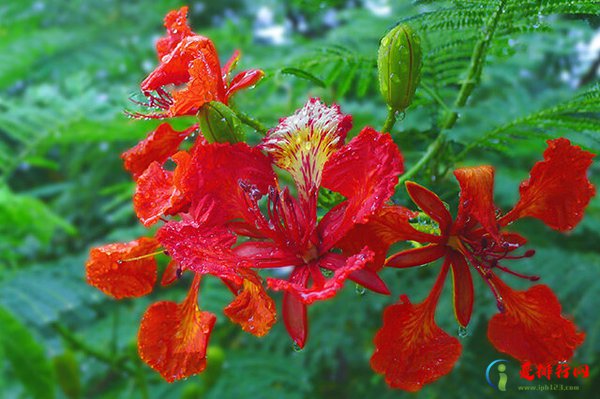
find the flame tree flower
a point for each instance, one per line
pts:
(226, 182)
(189, 74)
(410, 349)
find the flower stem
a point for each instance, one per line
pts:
(390, 120)
(473, 75)
(253, 123)
(77, 344)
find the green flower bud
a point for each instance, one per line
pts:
(67, 374)
(219, 123)
(399, 63)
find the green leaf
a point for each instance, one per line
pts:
(26, 357)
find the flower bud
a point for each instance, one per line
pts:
(219, 123)
(399, 64)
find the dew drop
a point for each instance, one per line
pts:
(463, 332)
(360, 290)
(296, 347)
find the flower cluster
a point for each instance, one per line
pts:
(224, 211)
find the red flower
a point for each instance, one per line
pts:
(190, 62)
(530, 326)
(227, 181)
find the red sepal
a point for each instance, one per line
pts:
(431, 204)
(173, 337)
(462, 288)
(417, 256)
(295, 312)
(110, 269)
(243, 80)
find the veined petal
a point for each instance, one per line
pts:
(158, 146)
(431, 204)
(177, 29)
(462, 288)
(410, 349)
(202, 87)
(302, 143)
(531, 327)
(252, 308)
(326, 288)
(263, 254)
(173, 337)
(115, 270)
(558, 189)
(417, 256)
(477, 198)
(294, 311)
(174, 68)
(243, 80)
(156, 194)
(365, 171)
(201, 248)
(213, 182)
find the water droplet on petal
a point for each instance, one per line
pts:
(463, 332)
(296, 347)
(360, 290)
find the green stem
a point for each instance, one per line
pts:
(253, 123)
(390, 121)
(432, 150)
(81, 346)
(473, 76)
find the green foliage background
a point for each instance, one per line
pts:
(67, 69)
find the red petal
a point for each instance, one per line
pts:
(200, 248)
(477, 198)
(410, 349)
(366, 277)
(156, 193)
(431, 204)
(158, 146)
(252, 308)
(193, 61)
(417, 256)
(302, 143)
(230, 65)
(170, 274)
(214, 180)
(558, 189)
(326, 288)
(110, 270)
(243, 80)
(365, 171)
(389, 225)
(265, 255)
(177, 29)
(173, 337)
(202, 88)
(532, 328)
(462, 284)
(294, 311)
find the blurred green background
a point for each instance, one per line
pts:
(67, 70)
